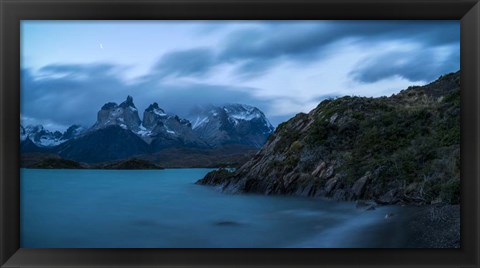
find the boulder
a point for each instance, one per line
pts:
(319, 169)
(330, 185)
(329, 172)
(359, 186)
(412, 187)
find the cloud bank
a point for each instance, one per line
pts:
(281, 67)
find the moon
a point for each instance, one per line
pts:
(101, 46)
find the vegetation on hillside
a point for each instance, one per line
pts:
(403, 148)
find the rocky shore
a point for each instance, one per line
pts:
(399, 150)
(435, 226)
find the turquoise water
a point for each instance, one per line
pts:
(164, 209)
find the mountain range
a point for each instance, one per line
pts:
(120, 133)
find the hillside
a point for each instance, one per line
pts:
(399, 149)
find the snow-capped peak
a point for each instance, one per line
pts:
(231, 123)
(124, 115)
(45, 138)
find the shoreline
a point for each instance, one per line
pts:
(428, 225)
(436, 226)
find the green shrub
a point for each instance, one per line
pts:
(286, 139)
(319, 132)
(296, 147)
(291, 162)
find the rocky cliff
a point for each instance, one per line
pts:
(164, 130)
(124, 115)
(399, 149)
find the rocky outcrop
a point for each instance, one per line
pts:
(398, 149)
(162, 130)
(153, 116)
(124, 115)
(358, 188)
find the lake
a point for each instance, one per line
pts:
(165, 209)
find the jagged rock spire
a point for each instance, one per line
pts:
(124, 115)
(128, 102)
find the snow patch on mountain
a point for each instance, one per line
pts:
(200, 121)
(159, 112)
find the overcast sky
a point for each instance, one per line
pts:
(71, 68)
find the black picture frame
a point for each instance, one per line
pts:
(12, 11)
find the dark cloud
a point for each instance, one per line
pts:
(307, 41)
(417, 65)
(67, 94)
(193, 62)
(254, 68)
(66, 100)
(293, 39)
(256, 49)
(76, 69)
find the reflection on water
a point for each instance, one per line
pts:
(164, 208)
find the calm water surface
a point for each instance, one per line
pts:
(164, 208)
